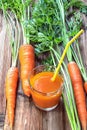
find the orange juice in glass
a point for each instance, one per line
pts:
(45, 92)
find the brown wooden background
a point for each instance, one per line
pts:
(27, 116)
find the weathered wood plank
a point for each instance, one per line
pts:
(54, 119)
(83, 43)
(5, 60)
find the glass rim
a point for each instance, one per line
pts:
(60, 89)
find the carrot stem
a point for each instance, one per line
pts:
(79, 61)
(14, 41)
(64, 52)
(68, 96)
(79, 94)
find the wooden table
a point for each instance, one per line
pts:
(27, 116)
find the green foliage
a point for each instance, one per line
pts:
(16, 6)
(44, 25)
(52, 24)
(74, 23)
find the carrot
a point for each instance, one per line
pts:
(12, 74)
(79, 93)
(27, 61)
(11, 86)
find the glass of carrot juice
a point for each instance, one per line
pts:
(45, 92)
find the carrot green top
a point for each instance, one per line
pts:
(64, 52)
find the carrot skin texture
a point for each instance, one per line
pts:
(79, 93)
(11, 87)
(27, 62)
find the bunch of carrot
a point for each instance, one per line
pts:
(26, 53)
(12, 74)
(26, 57)
(79, 93)
(27, 61)
(76, 71)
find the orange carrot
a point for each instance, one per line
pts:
(79, 93)
(27, 61)
(11, 87)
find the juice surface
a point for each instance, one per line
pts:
(42, 82)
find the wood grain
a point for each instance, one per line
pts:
(5, 60)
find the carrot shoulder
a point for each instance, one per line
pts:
(11, 87)
(79, 93)
(27, 61)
